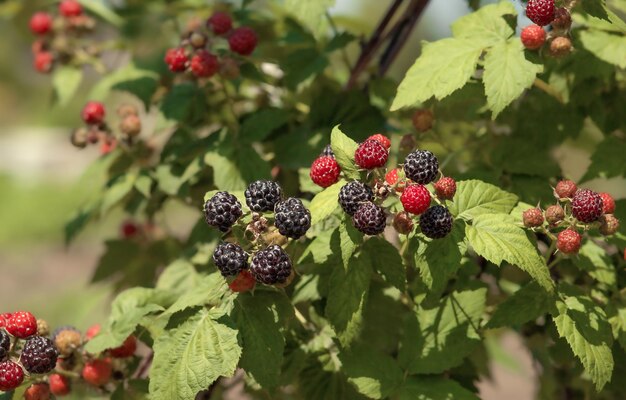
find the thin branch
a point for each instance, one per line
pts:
(543, 85)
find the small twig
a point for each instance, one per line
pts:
(540, 84)
(147, 363)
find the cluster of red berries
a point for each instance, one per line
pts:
(544, 12)
(576, 209)
(196, 55)
(362, 201)
(60, 37)
(97, 130)
(27, 350)
(269, 263)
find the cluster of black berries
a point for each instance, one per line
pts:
(98, 131)
(575, 209)
(195, 55)
(61, 38)
(270, 265)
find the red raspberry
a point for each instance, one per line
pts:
(325, 171)
(4, 318)
(37, 391)
(70, 8)
(565, 189)
(243, 41)
(220, 23)
(97, 372)
(382, 139)
(243, 282)
(40, 23)
(533, 37)
(532, 218)
(415, 199)
(127, 349)
(204, 64)
(586, 205)
(129, 229)
(608, 224)
(93, 113)
(93, 331)
(393, 178)
(43, 62)
(176, 59)
(445, 188)
(568, 241)
(11, 376)
(59, 385)
(22, 324)
(371, 154)
(541, 12)
(608, 204)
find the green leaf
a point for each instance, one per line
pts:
(594, 259)
(78, 223)
(443, 67)
(344, 149)
(179, 277)
(207, 291)
(497, 238)
(434, 388)
(606, 46)
(596, 8)
(474, 198)
(191, 357)
(339, 41)
(143, 184)
(225, 173)
(439, 259)
(374, 374)
(607, 160)
(439, 338)
(184, 101)
(66, 81)
(486, 26)
(386, 259)
(325, 203)
(261, 124)
(527, 304)
(312, 13)
(507, 74)
(123, 75)
(585, 327)
(117, 190)
(261, 318)
(251, 165)
(346, 298)
(100, 9)
(349, 239)
(303, 64)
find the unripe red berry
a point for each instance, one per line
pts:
(533, 37)
(4, 319)
(127, 109)
(608, 224)
(532, 218)
(560, 47)
(555, 214)
(382, 139)
(93, 113)
(243, 41)
(392, 177)
(97, 372)
(445, 188)
(68, 341)
(243, 282)
(608, 203)
(127, 349)
(568, 241)
(43, 329)
(371, 154)
(93, 331)
(403, 223)
(423, 120)
(108, 145)
(176, 59)
(59, 385)
(70, 8)
(565, 189)
(220, 23)
(197, 40)
(204, 64)
(325, 171)
(131, 125)
(11, 375)
(129, 229)
(562, 19)
(37, 391)
(40, 23)
(22, 324)
(43, 62)
(415, 199)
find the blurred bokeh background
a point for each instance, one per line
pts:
(44, 180)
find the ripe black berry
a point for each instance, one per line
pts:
(230, 258)
(291, 218)
(39, 355)
(586, 205)
(421, 166)
(263, 195)
(436, 222)
(369, 219)
(271, 265)
(352, 194)
(5, 344)
(222, 211)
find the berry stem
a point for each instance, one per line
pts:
(544, 86)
